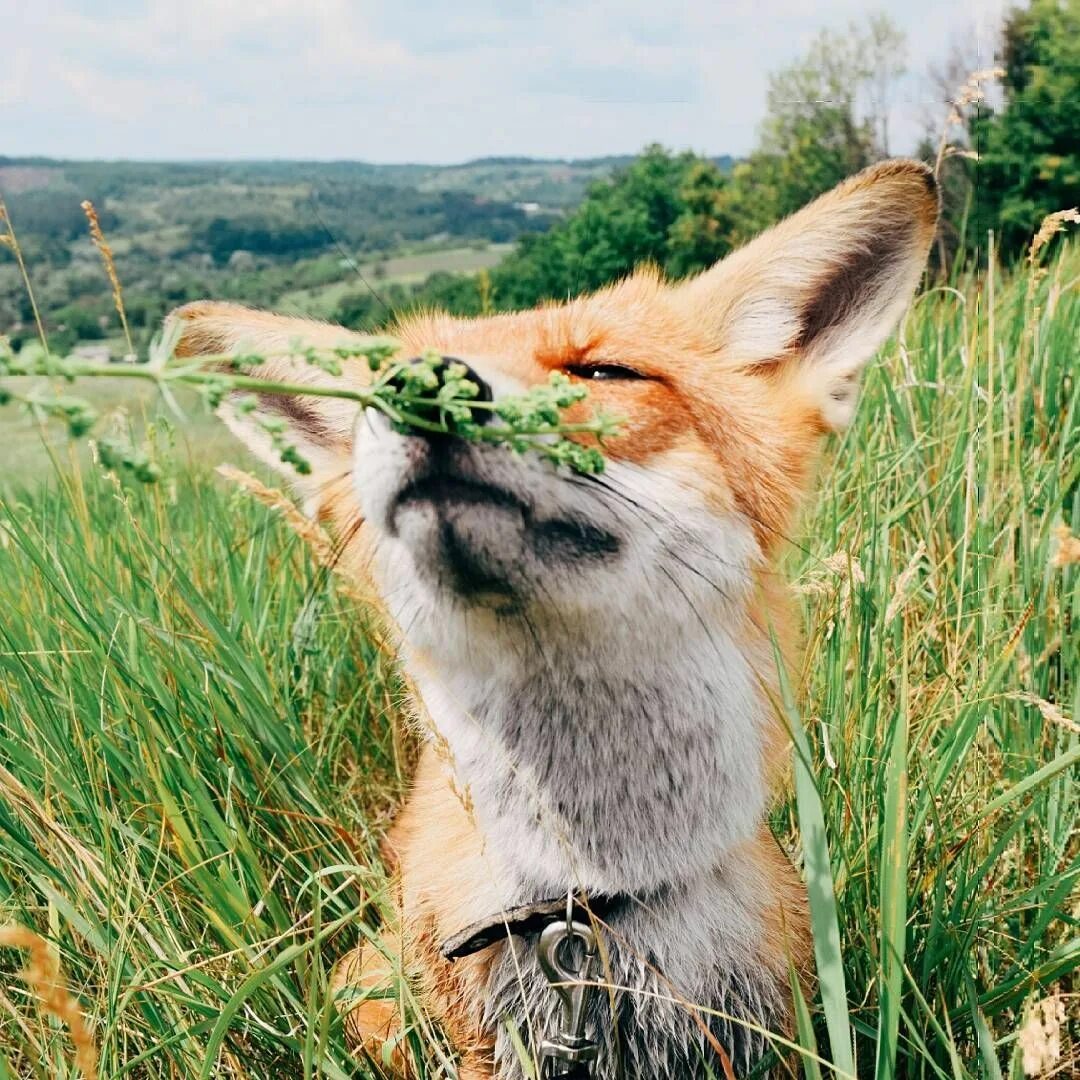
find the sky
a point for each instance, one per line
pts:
(423, 81)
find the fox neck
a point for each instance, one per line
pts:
(618, 766)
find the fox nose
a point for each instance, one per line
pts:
(432, 412)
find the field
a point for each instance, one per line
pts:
(201, 740)
(33, 451)
(321, 303)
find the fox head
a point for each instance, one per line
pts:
(725, 384)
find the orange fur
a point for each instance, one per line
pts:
(732, 409)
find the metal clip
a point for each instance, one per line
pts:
(571, 1053)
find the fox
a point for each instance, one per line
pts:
(592, 658)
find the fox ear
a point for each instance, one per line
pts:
(320, 428)
(814, 297)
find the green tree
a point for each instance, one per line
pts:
(1029, 149)
(365, 309)
(668, 210)
(826, 118)
(662, 209)
(885, 49)
(704, 230)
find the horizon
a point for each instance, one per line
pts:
(492, 159)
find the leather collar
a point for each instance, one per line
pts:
(529, 919)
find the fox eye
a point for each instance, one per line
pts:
(603, 371)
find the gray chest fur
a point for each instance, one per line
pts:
(681, 979)
(615, 782)
(632, 771)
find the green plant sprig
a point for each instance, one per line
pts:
(420, 395)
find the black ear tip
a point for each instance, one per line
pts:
(929, 180)
(926, 174)
(904, 171)
(919, 185)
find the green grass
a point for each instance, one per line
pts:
(198, 746)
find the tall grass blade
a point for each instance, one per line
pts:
(893, 888)
(819, 882)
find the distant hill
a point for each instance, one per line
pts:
(261, 231)
(553, 182)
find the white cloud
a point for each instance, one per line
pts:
(415, 80)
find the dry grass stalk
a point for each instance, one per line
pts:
(1047, 709)
(38, 818)
(1051, 225)
(313, 535)
(1018, 630)
(1067, 547)
(837, 575)
(1040, 1037)
(972, 92)
(274, 499)
(903, 583)
(42, 975)
(11, 241)
(109, 263)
